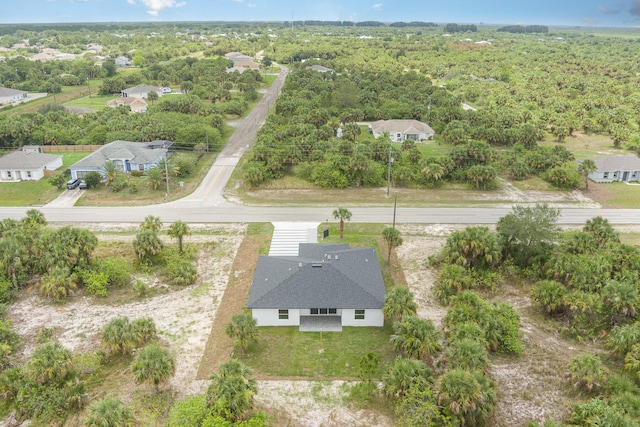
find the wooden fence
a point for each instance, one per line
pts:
(69, 148)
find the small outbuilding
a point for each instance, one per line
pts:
(10, 96)
(326, 286)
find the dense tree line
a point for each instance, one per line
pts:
(524, 29)
(460, 28)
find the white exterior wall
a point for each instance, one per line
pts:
(372, 317)
(269, 317)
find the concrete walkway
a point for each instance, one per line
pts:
(288, 235)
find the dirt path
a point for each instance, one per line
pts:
(219, 346)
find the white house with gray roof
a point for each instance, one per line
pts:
(616, 169)
(401, 130)
(330, 284)
(127, 156)
(141, 91)
(9, 96)
(27, 165)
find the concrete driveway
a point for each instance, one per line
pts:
(67, 199)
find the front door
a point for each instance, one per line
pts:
(19, 175)
(625, 177)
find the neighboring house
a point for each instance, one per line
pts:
(127, 156)
(324, 282)
(242, 62)
(27, 165)
(320, 69)
(9, 96)
(616, 169)
(401, 130)
(122, 61)
(140, 91)
(137, 105)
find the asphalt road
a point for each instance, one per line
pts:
(207, 204)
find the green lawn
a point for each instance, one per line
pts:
(285, 352)
(94, 102)
(69, 158)
(624, 195)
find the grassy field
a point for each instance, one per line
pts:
(94, 102)
(285, 352)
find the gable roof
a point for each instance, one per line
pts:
(5, 91)
(116, 102)
(617, 163)
(140, 152)
(322, 276)
(319, 68)
(142, 89)
(26, 160)
(404, 126)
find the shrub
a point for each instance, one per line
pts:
(137, 173)
(186, 167)
(96, 283)
(5, 290)
(119, 183)
(181, 272)
(109, 411)
(587, 373)
(93, 179)
(117, 270)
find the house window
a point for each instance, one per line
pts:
(28, 174)
(324, 311)
(141, 166)
(9, 174)
(606, 175)
(283, 314)
(359, 315)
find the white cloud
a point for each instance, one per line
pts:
(133, 2)
(155, 6)
(251, 5)
(238, 1)
(377, 6)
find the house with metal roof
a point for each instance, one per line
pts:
(616, 169)
(140, 91)
(331, 285)
(27, 165)
(9, 96)
(137, 105)
(401, 130)
(126, 155)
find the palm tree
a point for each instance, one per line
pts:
(152, 96)
(110, 171)
(153, 364)
(143, 330)
(587, 372)
(117, 336)
(416, 337)
(34, 218)
(466, 395)
(586, 167)
(391, 235)
(603, 232)
(232, 390)
(398, 303)
(151, 223)
(404, 374)
(50, 363)
(154, 177)
(343, 215)
(467, 353)
(167, 167)
(57, 284)
(109, 412)
(243, 327)
(473, 247)
(147, 245)
(178, 230)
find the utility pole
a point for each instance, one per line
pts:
(389, 170)
(166, 172)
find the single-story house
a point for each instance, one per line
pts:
(325, 282)
(616, 169)
(122, 61)
(320, 69)
(127, 156)
(9, 96)
(140, 91)
(137, 105)
(27, 165)
(401, 130)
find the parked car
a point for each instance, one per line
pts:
(83, 185)
(73, 183)
(165, 89)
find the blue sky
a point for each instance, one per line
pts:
(603, 13)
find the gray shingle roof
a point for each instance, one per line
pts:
(404, 126)
(137, 151)
(26, 160)
(142, 89)
(617, 163)
(5, 91)
(323, 276)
